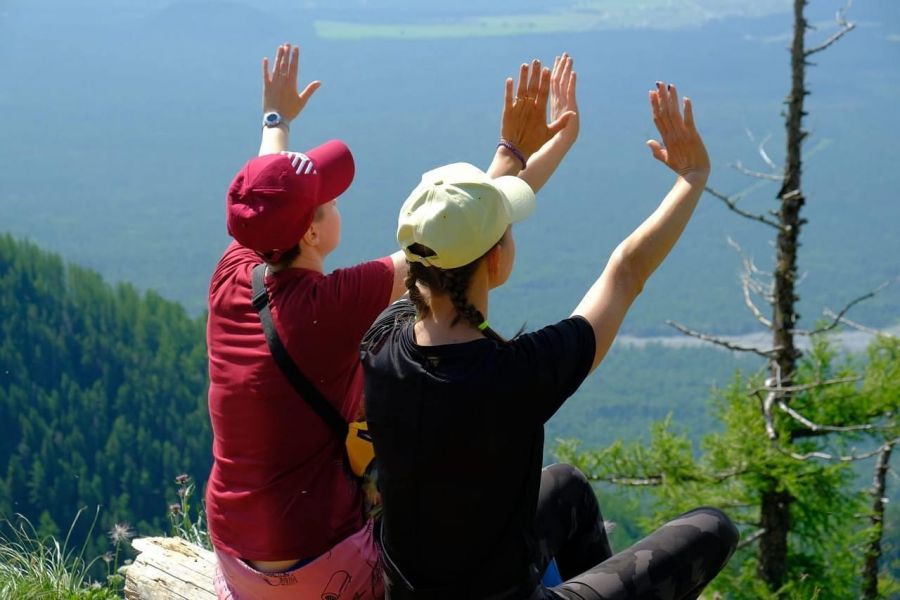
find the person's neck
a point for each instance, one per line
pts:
(437, 329)
(309, 258)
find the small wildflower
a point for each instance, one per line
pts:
(181, 492)
(175, 508)
(107, 557)
(120, 533)
(182, 479)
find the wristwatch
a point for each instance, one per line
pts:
(273, 119)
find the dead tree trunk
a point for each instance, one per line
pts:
(776, 504)
(873, 549)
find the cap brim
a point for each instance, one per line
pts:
(520, 196)
(336, 168)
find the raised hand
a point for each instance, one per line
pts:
(524, 119)
(563, 82)
(681, 149)
(280, 85)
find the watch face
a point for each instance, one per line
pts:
(272, 118)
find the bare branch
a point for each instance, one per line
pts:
(791, 389)
(845, 321)
(845, 28)
(767, 415)
(791, 195)
(761, 148)
(653, 480)
(720, 341)
(873, 552)
(749, 133)
(732, 204)
(751, 538)
(749, 284)
(832, 457)
(835, 37)
(837, 319)
(739, 167)
(765, 155)
(822, 428)
(767, 402)
(764, 290)
(745, 285)
(774, 397)
(749, 265)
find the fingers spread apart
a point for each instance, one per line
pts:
(666, 112)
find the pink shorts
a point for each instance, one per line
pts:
(349, 571)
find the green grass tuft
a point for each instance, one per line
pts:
(35, 567)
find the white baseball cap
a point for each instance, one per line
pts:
(459, 213)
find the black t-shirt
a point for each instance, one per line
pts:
(459, 434)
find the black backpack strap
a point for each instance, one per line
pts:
(301, 384)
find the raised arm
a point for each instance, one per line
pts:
(280, 95)
(523, 123)
(635, 259)
(544, 161)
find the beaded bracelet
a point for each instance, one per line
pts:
(512, 148)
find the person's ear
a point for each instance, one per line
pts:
(311, 237)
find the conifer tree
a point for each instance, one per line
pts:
(782, 465)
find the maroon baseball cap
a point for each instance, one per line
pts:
(273, 198)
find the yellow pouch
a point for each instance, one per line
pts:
(360, 450)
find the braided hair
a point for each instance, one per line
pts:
(454, 283)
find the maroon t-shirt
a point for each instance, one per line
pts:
(278, 488)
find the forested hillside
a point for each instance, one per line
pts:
(102, 395)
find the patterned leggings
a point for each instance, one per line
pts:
(674, 562)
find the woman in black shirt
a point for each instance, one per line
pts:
(457, 413)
